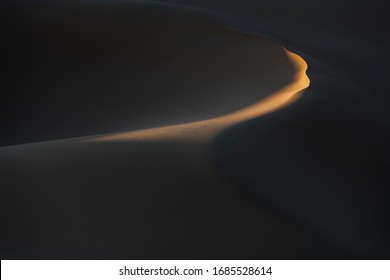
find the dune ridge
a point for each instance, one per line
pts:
(208, 129)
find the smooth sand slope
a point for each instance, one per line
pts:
(156, 193)
(309, 180)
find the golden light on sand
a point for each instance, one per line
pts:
(207, 129)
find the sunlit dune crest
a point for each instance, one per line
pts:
(207, 129)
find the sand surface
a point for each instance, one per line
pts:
(193, 129)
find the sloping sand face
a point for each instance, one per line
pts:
(151, 193)
(308, 181)
(80, 70)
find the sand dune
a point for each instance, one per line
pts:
(115, 148)
(155, 193)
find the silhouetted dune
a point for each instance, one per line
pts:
(305, 181)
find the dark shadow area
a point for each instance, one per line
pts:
(73, 200)
(319, 165)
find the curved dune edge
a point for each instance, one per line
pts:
(207, 129)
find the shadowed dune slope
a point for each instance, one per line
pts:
(79, 70)
(79, 198)
(310, 180)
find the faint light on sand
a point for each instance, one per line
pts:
(207, 129)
